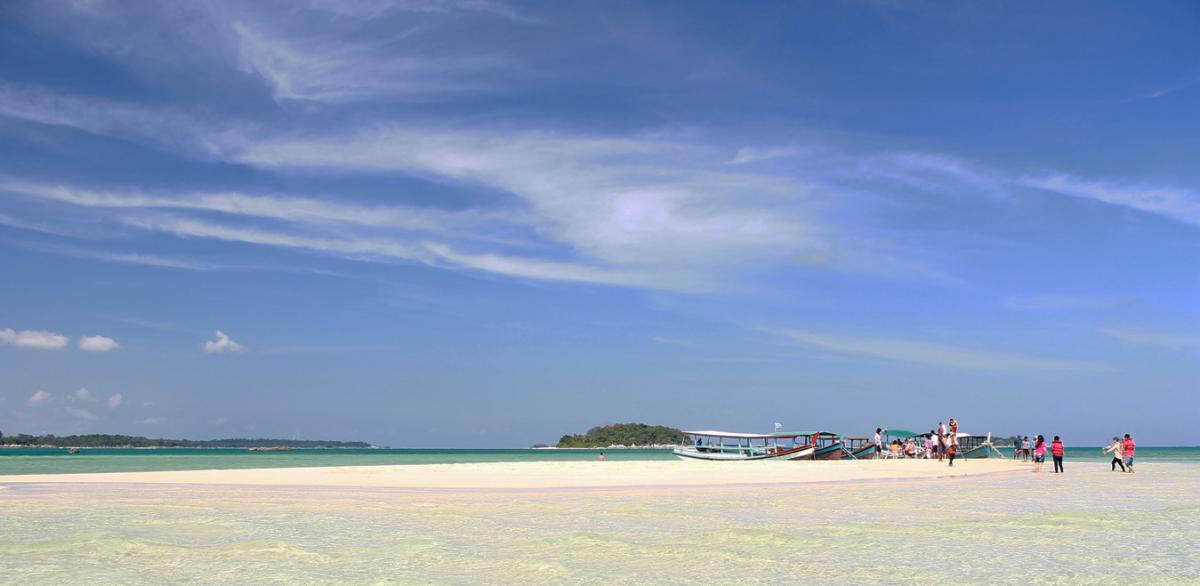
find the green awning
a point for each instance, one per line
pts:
(900, 433)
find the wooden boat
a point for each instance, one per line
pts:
(858, 448)
(733, 446)
(977, 446)
(828, 445)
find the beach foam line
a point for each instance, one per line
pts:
(546, 475)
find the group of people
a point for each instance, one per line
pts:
(941, 443)
(1122, 451)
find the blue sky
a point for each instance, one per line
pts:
(477, 223)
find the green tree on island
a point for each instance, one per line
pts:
(623, 434)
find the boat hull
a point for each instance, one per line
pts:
(803, 453)
(983, 451)
(863, 453)
(830, 452)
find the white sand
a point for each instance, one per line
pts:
(537, 475)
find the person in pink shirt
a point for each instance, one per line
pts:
(1130, 447)
(1039, 454)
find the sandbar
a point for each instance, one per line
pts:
(546, 475)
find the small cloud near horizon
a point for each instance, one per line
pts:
(223, 343)
(98, 344)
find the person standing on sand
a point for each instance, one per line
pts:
(951, 450)
(1026, 449)
(1016, 447)
(1129, 448)
(1056, 450)
(1039, 454)
(1117, 449)
(878, 442)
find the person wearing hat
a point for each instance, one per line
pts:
(1117, 449)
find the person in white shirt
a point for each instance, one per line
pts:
(878, 442)
(1117, 449)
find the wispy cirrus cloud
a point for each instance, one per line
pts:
(1064, 301)
(1182, 205)
(929, 353)
(1153, 338)
(321, 67)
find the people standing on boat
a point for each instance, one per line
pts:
(878, 442)
(1129, 448)
(1039, 453)
(953, 427)
(1057, 451)
(1117, 449)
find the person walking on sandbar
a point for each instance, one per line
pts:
(1056, 450)
(1118, 453)
(1129, 448)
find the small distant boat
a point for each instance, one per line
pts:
(977, 446)
(72, 450)
(733, 446)
(270, 449)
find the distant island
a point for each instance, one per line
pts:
(133, 441)
(627, 435)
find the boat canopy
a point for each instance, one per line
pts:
(900, 433)
(734, 434)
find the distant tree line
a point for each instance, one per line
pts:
(133, 441)
(623, 434)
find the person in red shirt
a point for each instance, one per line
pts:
(1130, 447)
(1056, 450)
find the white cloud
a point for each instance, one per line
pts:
(921, 352)
(752, 154)
(324, 68)
(147, 403)
(115, 400)
(1182, 205)
(80, 413)
(158, 127)
(39, 339)
(150, 421)
(98, 344)
(83, 394)
(1155, 339)
(223, 343)
(39, 398)
(1056, 301)
(671, 341)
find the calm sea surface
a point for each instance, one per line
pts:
(56, 461)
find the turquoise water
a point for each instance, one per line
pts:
(1089, 526)
(58, 461)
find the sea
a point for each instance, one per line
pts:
(60, 461)
(1087, 526)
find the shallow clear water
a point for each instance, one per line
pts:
(57, 461)
(1089, 526)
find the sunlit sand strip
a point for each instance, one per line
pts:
(539, 475)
